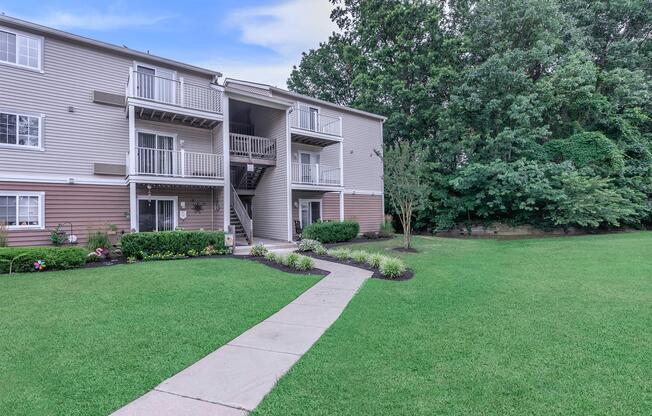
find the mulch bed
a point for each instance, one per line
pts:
(409, 274)
(121, 260)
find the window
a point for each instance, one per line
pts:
(22, 209)
(20, 130)
(310, 211)
(20, 49)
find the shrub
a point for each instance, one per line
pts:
(271, 256)
(386, 230)
(331, 231)
(98, 239)
(305, 263)
(259, 250)
(3, 235)
(179, 242)
(22, 259)
(291, 260)
(371, 235)
(340, 253)
(320, 250)
(359, 256)
(58, 237)
(309, 245)
(375, 260)
(392, 267)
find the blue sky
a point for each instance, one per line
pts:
(258, 40)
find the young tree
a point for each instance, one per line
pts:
(405, 184)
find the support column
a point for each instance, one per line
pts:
(133, 207)
(131, 114)
(341, 205)
(226, 152)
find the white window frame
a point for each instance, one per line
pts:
(321, 209)
(41, 42)
(175, 208)
(41, 118)
(41, 210)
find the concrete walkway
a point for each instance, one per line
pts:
(234, 379)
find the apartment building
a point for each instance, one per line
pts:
(93, 134)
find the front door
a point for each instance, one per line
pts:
(310, 211)
(156, 215)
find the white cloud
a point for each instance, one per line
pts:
(287, 28)
(97, 19)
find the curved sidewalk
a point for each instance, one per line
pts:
(235, 378)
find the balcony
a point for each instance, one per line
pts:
(178, 164)
(315, 175)
(252, 149)
(176, 99)
(308, 125)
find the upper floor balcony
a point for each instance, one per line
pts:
(310, 126)
(174, 98)
(163, 163)
(246, 148)
(316, 175)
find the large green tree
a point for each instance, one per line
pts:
(523, 105)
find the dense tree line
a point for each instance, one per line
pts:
(531, 111)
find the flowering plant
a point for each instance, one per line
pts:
(39, 265)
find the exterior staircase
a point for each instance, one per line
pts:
(240, 234)
(240, 219)
(249, 180)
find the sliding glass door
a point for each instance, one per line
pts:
(156, 215)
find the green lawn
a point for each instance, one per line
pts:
(86, 342)
(555, 326)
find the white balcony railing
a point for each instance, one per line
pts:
(315, 174)
(314, 121)
(252, 146)
(174, 91)
(178, 163)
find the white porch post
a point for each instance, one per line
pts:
(131, 114)
(227, 163)
(133, 207)
(341, 205)
(341, 164)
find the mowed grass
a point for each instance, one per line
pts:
(86, 342)
(554, 326)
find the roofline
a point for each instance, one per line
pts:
(29, 26)
(328, 103)
(304, 97)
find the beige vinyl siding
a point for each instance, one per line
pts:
(86, 207)
(210, 217)
(73, 141)
(270, 202)
(361, 136)
(327, 155)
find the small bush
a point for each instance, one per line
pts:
(309, 245)
(320, 250)
(58, 237)
(259, 250)
(271, 256)
(371, 235)
(3, 235)
(305, 263)
(140, 245)
(98, 239)
(22, 259)
(386, 230)
(392, 267)
(375, 260)
(340, 253)
(291, 260)
(332, 231)
(359, 256)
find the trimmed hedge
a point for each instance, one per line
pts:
(332, 231)
(56, 258)
(178, 242)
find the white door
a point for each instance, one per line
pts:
(156, 84)
(309, 164)
(155, 154)
(308, 117)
